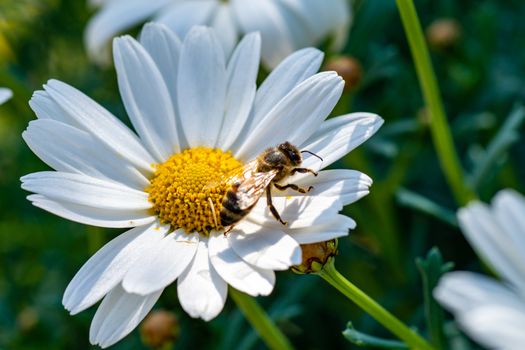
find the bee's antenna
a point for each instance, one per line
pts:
(312, 153)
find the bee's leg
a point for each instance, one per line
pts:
(303, 170)
(228, 230)
(274, 211)
(293, 187)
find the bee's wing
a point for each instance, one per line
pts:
(238, 176)
(234, 176)
(252, 188)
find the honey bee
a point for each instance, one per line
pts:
(259, 176)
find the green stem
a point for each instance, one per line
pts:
(440, 130)
(410, 337)
(260, 321)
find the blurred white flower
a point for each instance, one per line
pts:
(285, 25)
(196, 116)
(491, 312)
(5, 94)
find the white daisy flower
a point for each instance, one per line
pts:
(491, 312)
(285, 25)
(197, 117)
(5, 94)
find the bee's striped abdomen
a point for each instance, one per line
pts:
(230, 211)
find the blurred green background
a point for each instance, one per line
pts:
(409, 210)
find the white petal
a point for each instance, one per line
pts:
(340, 14)
(509, 210)
(242, 74)
(349, 185)
(46, 108)
(201, 291)
(299, 212)
(235, 271)
(5, 94)
(182, 16)
(104, 270)
(268, 18)
(98, 3)
(463, 291)
(270, 249)
(487, 310)
(488, 238)
(496, 326)
(93, 215)
(300, 32)
(338, 226)
(313, 16)
(164, 47)
(162, 264)
(87, 115)
(224, 25)
(338, 136)
(302, 111)
(323, 18)
(296, 68)
(68, 149)
(118, 314)
(146, 98)
(115, 17)
(202, 87)
(84, 190)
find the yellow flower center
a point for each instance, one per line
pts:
(187, 191)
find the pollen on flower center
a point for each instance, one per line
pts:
(187, 191)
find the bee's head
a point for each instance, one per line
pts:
(291, 152)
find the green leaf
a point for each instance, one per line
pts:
(431, 269)
(418, 202)
(507, 135)
(362, 339)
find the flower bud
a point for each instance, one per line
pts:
(443, 33)
(423, 116)
(315, 256)
(27, 319)
(159, 328)
(348, 68)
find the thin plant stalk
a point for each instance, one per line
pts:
(330, 274)
(260, 321)
(439, 127)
